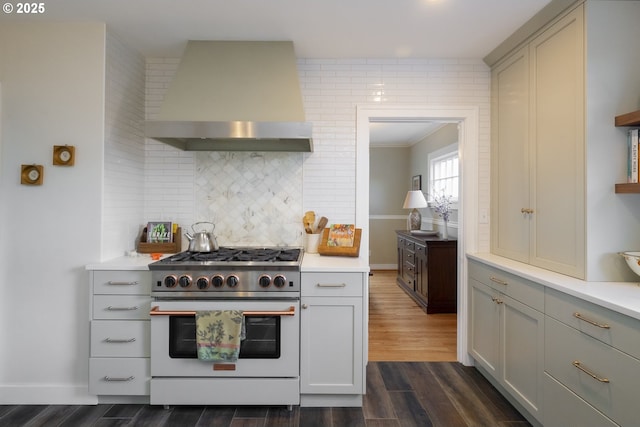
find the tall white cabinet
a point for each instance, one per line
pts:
(557, 84)
(538, 161)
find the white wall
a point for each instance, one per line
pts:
(613, 88)
(332, 89)
(52, 94)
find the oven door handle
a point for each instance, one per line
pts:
(155, 311)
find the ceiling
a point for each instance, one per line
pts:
(318, 28)
(400, 133)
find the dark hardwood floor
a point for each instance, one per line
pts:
(399, 394)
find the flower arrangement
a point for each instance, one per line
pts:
(442, 205)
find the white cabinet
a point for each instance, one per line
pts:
(119, 352)
(332, 339)
(506, 325)
(593, 355)
(563, 408)
(538, 146)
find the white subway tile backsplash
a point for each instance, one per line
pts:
(123, 202)
(250, 202)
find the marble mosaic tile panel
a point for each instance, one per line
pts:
(254, 198)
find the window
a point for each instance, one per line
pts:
(444, 171)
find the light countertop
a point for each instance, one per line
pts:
(139, 262)
(622, 297)
(320, 263)
(310, 263)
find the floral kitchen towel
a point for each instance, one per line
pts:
(218, 335)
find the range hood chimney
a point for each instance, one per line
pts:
(234, 96)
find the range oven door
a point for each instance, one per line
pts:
(271, 348)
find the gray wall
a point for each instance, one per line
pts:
(390, 178)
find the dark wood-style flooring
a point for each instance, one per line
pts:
(412, 380)
(399, 394)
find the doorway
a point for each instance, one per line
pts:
(401, 153)
(467, 116)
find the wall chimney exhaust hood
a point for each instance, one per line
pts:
(234, 96)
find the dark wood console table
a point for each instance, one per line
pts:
(428, 271)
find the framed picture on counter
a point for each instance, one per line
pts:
(159, 232)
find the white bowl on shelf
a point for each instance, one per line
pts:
(633, 261)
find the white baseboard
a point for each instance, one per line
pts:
(46, 395)
(383, 266)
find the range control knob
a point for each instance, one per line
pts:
(170, 281)
(232, 281)
(184, 281)
(202, 283)
(279, 281)
(217, 281)
(264, 281)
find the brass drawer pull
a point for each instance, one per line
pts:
(591, 322)
(497, 300)
(111, 282)
(577, 364)
(113, 379)
(112, 340)
(526, 210)
(498, 281)
(112, 308)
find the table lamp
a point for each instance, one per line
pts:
(414, 200)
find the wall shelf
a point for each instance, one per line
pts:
(629, 119)
(628, 188)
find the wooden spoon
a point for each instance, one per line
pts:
(306, 224)
(309, 220)
(322, 223)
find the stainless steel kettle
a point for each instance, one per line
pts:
(202, 241)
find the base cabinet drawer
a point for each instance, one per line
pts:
(332, 284)
(614, 329)
(117, 307)
(601, 375)
(121, 282)
(120, 338)
(563, 408)
(119, 376)
(516, 287)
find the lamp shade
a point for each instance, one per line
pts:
(414, 199)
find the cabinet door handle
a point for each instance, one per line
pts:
(591, 322)
(498, 281)
(115, 283)
(497, 300)
(526, 210)
(116, 340)
(578, 365)
(112, 308)
(112, 379)
(305, 306)
(331, 285)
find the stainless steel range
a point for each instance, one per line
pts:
(228, 272)
(262, 282)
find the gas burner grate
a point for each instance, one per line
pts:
(226, 254)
